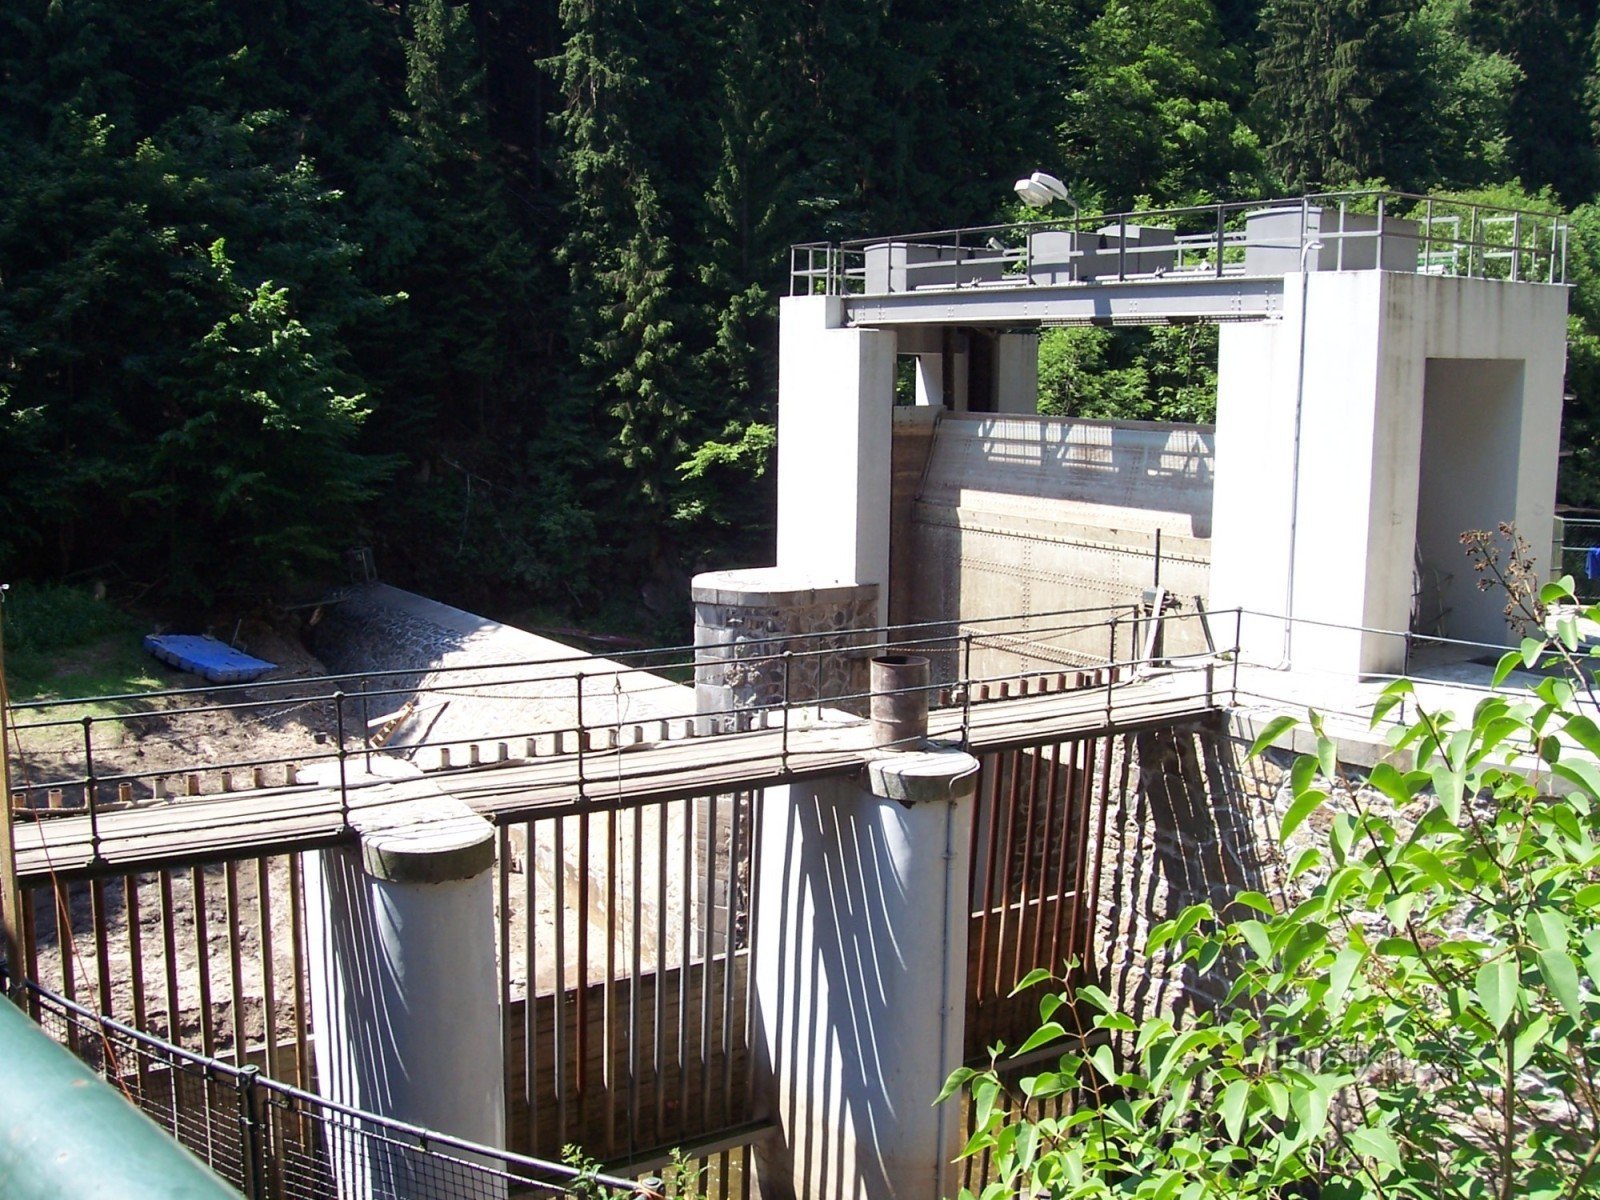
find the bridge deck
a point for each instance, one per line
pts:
(273, 820)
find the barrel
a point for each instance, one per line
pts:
(899, 699)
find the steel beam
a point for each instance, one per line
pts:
(1172, 298)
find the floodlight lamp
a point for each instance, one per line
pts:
(1040, 190)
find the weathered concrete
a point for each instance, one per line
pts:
(1409, 384)
(401, 932)
(745, 622)
(860, 975)
(1032, 515)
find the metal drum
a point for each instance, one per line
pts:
(899, 699)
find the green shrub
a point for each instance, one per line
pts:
(1422, 1024)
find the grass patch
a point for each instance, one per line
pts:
(62, 642)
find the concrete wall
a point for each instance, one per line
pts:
(835, 397)
(1027, 515)
(1350, 521)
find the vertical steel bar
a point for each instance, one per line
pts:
(169, 955)
(658, 1046)
(966, 691)
(707, 944)
(1100, 834)
(130, 909)
(608, 1077)
(344, 783)
(999, 984)
(66, 947)
(202, 956)
(102, 952)
(635, 969)
(30, 943)
(502, 871)
(269, 966)
(994, 772)
(1516, 246)
(558, 876)
(583, 738)
(1111, 670)
(685, 957)
(1221, 226)
(89, 788)
(752, 919)
(1024, 892)
(297, 946)
(1064, 881)
(729, 918)
(1238, 650)
(1083, 786)
(1049, 894)
(530, 972)
(581, 1038)
(788, 661)
(235, 962)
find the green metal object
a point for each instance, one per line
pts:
(65, 1133)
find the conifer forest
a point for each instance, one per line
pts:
(491, 287)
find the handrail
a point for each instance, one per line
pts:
(519, 1168)
(1208, 241)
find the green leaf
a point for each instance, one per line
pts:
(1509, 662)
(1235, 1098)
(1345, 965)
(1532, 648)
(1549, 930)
(1032, 979)
(1304, 805)
(1584, 776)
(1376, 1143)
(1271, 732)
(1389, 699)
(1561, 977)
(1585, 733)
(1050, 1031)
(1496, 988)
(958, 1077)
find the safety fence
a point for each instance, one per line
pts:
(274, 1141)
(1394, 231)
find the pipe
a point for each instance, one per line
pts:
(950, 805)
(70, 1135)
(1294, 460)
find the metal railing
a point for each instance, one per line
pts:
(1579, 555)
(1397, 231)
(587, 711)
(277, 1142)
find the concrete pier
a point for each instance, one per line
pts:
(402, 936)
(860, 976)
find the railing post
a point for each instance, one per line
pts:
(1516, 246)
(966, 689)
(1111, 668)
(1221, 219)
(88, 787)
(788, 660)
(252, 1145)
(344, 783)
(583, 734)
(366, 725)
(1238, 649)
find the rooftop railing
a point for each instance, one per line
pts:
(1362, 230)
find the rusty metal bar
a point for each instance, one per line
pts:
(530, 968)
(635, 970)
(999, 984)
(658, 1044)
(66, 948)
(130, 908)
(728, 946)
(235, 962)
(29, 932)
(685, 953)
(297, 937)
(1026, 873)
(102, 952)
(581, 1067)
(1047, 894)
(608, 1078)
(269, 966)
(708, 919)
(559, 907)
(503, 957)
